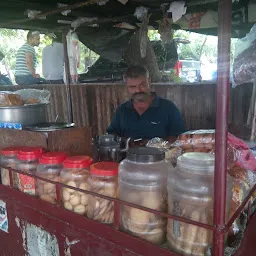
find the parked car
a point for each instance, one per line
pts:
(189, 70)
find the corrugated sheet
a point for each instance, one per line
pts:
(95, 104)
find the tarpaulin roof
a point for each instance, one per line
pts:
(200, 14)
(106, 26)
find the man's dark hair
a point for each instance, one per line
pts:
(136, 71)
(32, 33)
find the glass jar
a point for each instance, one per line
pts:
(102, 180)
(27, 162)
(75, 173)
(50, 166)
(143, 181)
(8, 160)
(190, 195)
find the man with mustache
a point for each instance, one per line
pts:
(145, 115)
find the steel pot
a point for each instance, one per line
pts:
(108, 148)
(24, 115)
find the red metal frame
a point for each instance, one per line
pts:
(112, 233)
(223, 93)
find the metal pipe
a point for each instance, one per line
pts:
(223, 92)
(67, 76)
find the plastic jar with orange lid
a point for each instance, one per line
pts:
(8, 160)
(28, 159)
(75, 173)
(50, 166)
(103, 180)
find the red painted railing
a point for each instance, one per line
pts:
(117, 204)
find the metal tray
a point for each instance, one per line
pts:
(48, 127)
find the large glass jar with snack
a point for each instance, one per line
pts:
(28, 159)
(103, 180)
(8, 160)
(190, 195)
(75, 173)
(143, 181)
(50, 166)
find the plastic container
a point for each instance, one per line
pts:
(190, 195)
(50, 166)
(27, 162)
(8, 160)
(102, 180)
(143, 181)
(75, 173)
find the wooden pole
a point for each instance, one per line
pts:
(67, 77)
(251, 110)
(253, 134)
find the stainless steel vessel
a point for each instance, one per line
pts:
(108, 148)
(24, 115)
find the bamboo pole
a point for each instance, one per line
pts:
(251, 110)
(67, 77)
(253, 133)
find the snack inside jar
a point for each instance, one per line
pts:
(75, 173)
(28, 159)
(102, 180)
(143, 181)
(50, 166)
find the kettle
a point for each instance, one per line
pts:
(107, 147)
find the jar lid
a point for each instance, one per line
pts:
(145, 155)
(11, 151)
(27, 157)
(31, 150)
(30, 153)
(52, 158)
(104, 169)
(196, 162)
(78, 162)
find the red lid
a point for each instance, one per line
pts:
(31, 156)
(105, 169)
(40, 149)
(53, 158)
(11, 150)
(30, 153)
(78, 162)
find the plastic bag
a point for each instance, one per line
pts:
(141, 12)
(8, 99)
(171, 154)
(241, 161)
(244, 67)
(73, 55)
(33, 96)
(238, 151)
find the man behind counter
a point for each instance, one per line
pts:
(145, 115)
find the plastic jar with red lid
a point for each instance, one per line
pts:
(50, 166)
(28, 159)
(75, 173)
(8, 160)
(102, 180)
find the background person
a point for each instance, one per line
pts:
(25, 70)
(53, 61)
